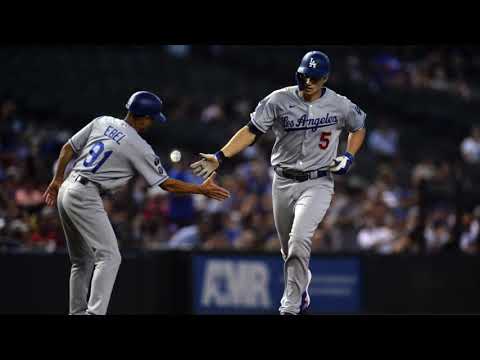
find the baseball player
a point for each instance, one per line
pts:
(110, 151)
(307, 121)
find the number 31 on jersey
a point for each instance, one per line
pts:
(94, 153)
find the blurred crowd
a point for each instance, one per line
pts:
(404, 193)
(450, 69)
(445, 70)
(430, 205)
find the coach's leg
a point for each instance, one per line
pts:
(81, 257)
(310, 208)
(107, 263)
(97, 230)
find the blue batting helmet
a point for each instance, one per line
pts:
(145, 103)
(314, 65)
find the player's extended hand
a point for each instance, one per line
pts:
(50, 195)
(206, 166)
(212, 190)
(341, 164)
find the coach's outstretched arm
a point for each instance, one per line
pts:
(207, 188)
(50, 195)
(210, 162)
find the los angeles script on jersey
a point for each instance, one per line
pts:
(303, 123)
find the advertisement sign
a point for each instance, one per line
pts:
(254, 285)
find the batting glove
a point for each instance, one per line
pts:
(341, 164)
(205, 167)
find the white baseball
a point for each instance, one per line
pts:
(175, 156)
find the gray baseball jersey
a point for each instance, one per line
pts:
(307, 137)
(307, 133)
(110, 151)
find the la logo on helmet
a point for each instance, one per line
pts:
(312, 64)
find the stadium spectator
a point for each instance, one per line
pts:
(377, 237)
(470, 146)
(181, 207)
(470, 237)
(380, 231)
(212, 113)
(438, 230)
(28, 197)
(150, 227)
(383, 140)
(339, 229)
(203, 234)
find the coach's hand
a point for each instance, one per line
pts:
(206, 166)
(341, 164)
(50, 195)
(212, 190)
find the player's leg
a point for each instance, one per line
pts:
(95, 226)
(81, 258)
(283, 210)
(283, 214)
(314, 199)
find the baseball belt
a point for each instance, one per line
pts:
(298, 175)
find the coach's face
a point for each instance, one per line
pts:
(143, 123)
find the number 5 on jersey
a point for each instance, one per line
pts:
(324, 140)
(96, 150)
